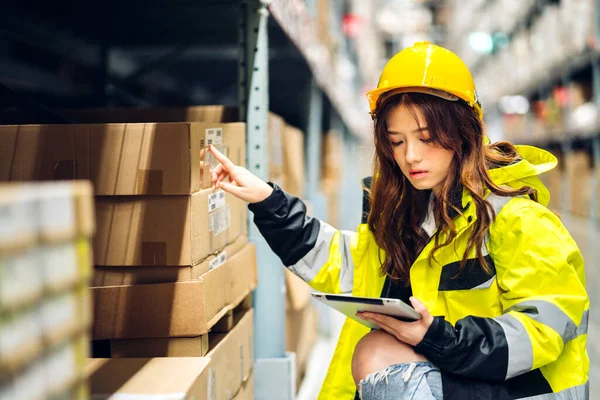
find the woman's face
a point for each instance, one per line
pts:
(425, 164)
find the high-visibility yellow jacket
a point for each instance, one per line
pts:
(517, 333)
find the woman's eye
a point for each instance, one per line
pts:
(428, 140)
(396, 144)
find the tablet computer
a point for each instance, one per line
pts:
(349, 305)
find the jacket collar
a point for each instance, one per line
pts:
(456, 198)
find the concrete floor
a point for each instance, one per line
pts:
(587, 235)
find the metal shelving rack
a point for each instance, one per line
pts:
(139, 53)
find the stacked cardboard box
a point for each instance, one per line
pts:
(301, 322)
(45, 268)
(172, 259)
(553, 181)
(331, 183)
(579, 173)
(189, 378)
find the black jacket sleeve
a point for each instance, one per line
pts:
(468, 348)
(281, 218)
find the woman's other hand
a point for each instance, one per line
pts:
(238, 180)
(411, 333)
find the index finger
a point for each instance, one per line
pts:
(226, 162)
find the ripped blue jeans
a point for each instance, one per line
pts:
(410, 381)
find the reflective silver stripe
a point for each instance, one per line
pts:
(309, 266)
(347, 270)
(583, 325)
(548, 314)
(580, 392)
(498, 202)
(485, 285)
(520, 350)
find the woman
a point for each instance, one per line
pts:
(459, 223)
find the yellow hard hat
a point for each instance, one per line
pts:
(426, 68)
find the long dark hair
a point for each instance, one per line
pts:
(398, 209)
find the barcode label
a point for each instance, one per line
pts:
(219, 220)
(211, 160)
(216, 200)
(218, 261)
(213, 136)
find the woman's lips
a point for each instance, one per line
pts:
(417, 174)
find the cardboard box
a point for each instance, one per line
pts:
(43, 212)
(27, 350)
(19, 225)
(553, 181)
(215, 114)
(197, 346)
(160, 347)
(246, 392)
(181, 309)
(293, 161)
(52, 375)
(331, 191)
(579, 172)
(333, 146)
(21, 340)
(64, 367)
(65, 265)
(301, 335)
(120, 159)
(21, 283)
(166, 230)
(160, 378)
(66, 315)
(232, 356)
(145, 275)
(276, 156)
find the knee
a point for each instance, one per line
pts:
(378, 350)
